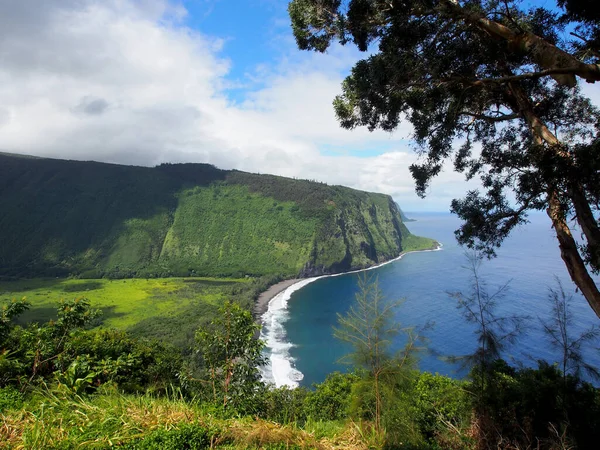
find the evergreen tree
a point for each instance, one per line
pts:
(369, 327)
(559, 329)
(492, 86)
(494, 332)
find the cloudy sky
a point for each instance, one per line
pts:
(219, 81)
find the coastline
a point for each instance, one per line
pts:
(271, 312)
(261, 305)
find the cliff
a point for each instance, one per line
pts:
(93, 219)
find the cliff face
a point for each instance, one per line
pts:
(92, 219)
(364, 230)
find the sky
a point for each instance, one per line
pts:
(145, 82)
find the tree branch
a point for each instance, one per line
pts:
(542, 52)
(500, 118)
(507, 79)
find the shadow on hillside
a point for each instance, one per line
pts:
(56, 210)
(43, 314)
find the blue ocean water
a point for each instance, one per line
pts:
(529, 261)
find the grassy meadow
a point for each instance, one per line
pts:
(167, 308)
(111, 419)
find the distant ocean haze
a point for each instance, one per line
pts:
(300, 328)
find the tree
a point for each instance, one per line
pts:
(369, 327)
(231, 354)
(7, 313)
(494, 332)
(492, 86)
(37, 351)
(47, 342)
(558, 327)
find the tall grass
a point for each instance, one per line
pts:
(109, 419)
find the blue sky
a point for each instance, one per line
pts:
(218, 81)
(252, 30)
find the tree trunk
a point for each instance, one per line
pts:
(570, 254)
(377, 404)
(588, 223)
(568, 247)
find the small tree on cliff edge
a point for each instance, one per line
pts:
(369, 327)
(485, 72)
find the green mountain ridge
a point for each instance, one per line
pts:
(93, 219)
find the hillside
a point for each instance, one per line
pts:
(94, 219)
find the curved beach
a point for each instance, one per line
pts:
(271, 308)
(262, 303)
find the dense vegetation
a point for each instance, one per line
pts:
(64, 385)
(100, 220)
(169, 309)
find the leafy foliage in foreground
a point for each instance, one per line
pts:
(95, 220)
(78, 360)
(64, 386)
(231, 355)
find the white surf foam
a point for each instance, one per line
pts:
(280, 369)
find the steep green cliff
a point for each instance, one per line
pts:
(92, 219)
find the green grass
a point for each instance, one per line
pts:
(165, 308)
(411, 243)
(112, 420)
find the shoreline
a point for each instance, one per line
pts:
(261, 306)
(271, 312)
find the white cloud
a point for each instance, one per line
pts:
(123, 81)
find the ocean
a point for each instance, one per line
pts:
(298, 326)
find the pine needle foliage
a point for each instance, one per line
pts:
(559, 330)
(369, 327)
(494, 333)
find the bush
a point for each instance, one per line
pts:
(135, 364)
(439, 400)
(184, 437)
(10, 398)
(285, 405)
(542, 404)
(331, 399)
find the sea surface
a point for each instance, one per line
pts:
(298, 325)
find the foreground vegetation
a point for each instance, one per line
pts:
(65, 385)
(431, 412)
(113, 419)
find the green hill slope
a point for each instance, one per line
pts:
(93, 219)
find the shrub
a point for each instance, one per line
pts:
(531, 405)
(135, 364)
(331, 399)
(10, 398)
(184, 437)
(285, 405)
(439, 400)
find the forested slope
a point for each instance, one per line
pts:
(93, 219)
